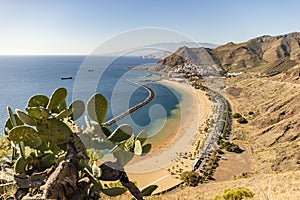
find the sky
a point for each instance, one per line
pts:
(79, 26)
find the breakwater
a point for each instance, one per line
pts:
(134, 108)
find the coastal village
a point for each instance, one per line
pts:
(192, 70)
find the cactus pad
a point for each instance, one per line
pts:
(8, 125)
(25, 134)
(37, 101)
(148, 190)
(20, 165)
(123, 132)
(97, 107)
(54, 130)
(65, 113)
(26, 118)
(116, 191)
(78, 107)
(57, 98)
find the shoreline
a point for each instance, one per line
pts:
(153, 168)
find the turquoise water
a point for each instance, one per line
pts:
(24, 76)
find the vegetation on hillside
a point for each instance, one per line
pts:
(242, 120)
(229, 146)
(251, 113)
(236, 115)
(189, 178)
(238, 193)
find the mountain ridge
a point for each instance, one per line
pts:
(164, 49)
(269, 55)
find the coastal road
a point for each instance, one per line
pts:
(215, 130)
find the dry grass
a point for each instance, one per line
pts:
(281, 186)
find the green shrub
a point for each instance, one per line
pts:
(229, 146)
(219, 151)
(236, 115)
(189, 178)
(251, 113)
(238, 193)
(205, 129)
(242, 120)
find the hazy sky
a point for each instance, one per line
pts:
(79, 26)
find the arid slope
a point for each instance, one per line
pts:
(274, 129)
(271, 139)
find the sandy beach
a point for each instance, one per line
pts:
(154, 168)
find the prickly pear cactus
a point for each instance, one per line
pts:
(45, 138)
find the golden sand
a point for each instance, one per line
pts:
(196, 108)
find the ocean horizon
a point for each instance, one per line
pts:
(24, 76)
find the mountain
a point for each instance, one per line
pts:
(173, 46)
(275, 54)
(268, 55)
(162, 50)
(199, 56)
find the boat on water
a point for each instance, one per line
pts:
(66, 78)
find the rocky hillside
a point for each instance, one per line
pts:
(273, 131)
(268, 55)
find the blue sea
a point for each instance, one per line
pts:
(24, 76)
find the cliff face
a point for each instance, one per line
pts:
(266, 54)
